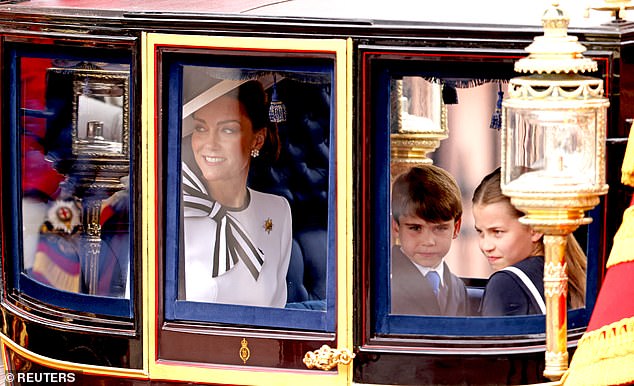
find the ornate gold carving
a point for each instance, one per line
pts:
(556, 364)
(533, 201)
(555, 279)
(245, 352)
(555, 271)
(327, 358)
(414, 147)
(555, 51)
(555, 290)
(569, 88)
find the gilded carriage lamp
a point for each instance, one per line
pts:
(100, 154)
(414, 133)
(553, 158)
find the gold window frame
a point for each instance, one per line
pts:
(342, 373)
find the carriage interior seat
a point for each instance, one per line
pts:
(301, 175)
(306, 277)
(475, 292)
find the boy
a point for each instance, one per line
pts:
(426, 217)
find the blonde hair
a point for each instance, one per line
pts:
(490, 192)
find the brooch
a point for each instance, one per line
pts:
(268, 225)
(64, 216)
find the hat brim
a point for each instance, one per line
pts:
(214, 92)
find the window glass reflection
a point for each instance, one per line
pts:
(468, 154)
(255, 173)
(75, 175)
(426, 218)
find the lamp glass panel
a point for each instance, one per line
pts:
(552, 148)
(419, 104)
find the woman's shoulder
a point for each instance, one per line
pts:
(268, 199)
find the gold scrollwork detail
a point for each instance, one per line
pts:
(555, 271)
(556, 359)
(245, 352)
(556, 364)
(522, 88)
(327, 358)
(555, 279)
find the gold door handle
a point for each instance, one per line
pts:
(326, 358)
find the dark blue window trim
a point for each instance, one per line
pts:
(101, 305)
(108, 306)
(383, 323)
(182, 310)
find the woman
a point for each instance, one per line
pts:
(516, 253)
(237, 240)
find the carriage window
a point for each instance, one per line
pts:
(442, 251)
(253, 197)
(70, 127)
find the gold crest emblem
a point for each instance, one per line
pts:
(245, 353)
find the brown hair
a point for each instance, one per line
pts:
(428, 192)
(253, 98)
(489, 192)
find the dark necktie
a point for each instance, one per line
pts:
(434, 280)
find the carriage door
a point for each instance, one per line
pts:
(246, 156)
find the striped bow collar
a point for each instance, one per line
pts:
(231, 242)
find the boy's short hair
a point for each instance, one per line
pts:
(428, 192)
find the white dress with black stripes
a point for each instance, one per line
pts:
(268, 224)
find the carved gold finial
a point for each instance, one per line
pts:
(556, 51)
(327, 358)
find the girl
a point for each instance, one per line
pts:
(516, 253)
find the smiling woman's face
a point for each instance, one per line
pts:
(222, 140)
(501, 237)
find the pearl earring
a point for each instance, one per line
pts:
(255, 153)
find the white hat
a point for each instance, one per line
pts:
(215, 81)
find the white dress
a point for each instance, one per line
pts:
(267, 221)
